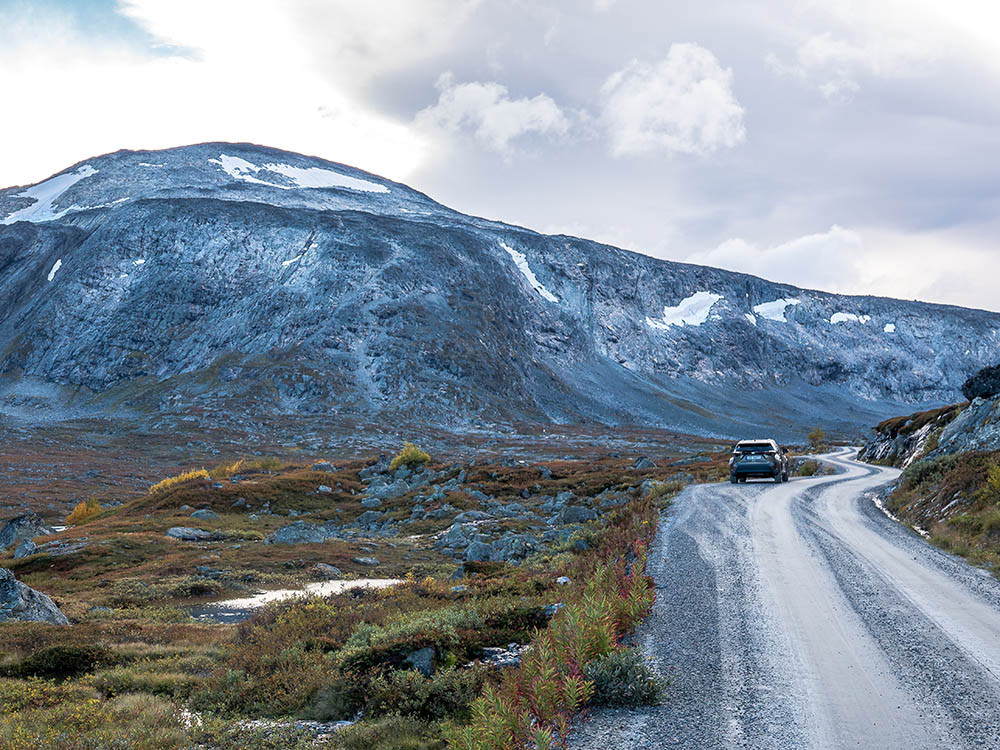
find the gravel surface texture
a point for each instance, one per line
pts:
(799, 615)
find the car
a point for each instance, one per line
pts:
(758, 459)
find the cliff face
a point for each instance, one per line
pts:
(232, 281)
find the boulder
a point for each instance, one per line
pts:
(368, 518)
(21, 603)
(512, 547)
(478, 552)
(299, 532)
(25, 548)
(324, 490)
(643, 462)
(422, 660)
(563, 581)
(205, 514)
(455, 536)
(188, 534)
(984, 384)
(322, 570)
(573, 514)
(445, 511)
(472, 515)
(368, 561)
(22, 527)
(323, 466)
(371, 502)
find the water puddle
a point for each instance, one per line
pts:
(238, 610)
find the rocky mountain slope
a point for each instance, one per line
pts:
(229, 281)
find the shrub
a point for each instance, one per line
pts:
(388, 733)
(84, 510)
(61, 662)
(410, 456)
(187, 476)
(224, 471)
(622, 678)
(817, 439)
(808, 468)
(448, 692)
(993, 483)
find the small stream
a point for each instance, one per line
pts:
(238, 610)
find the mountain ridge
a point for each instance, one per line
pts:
(219, 274)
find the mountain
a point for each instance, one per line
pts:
(225, 282)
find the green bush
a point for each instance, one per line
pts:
(448, 692)
(124, 680)
(59, 662)
(388, 733)
(622, 678)
(808, 468)
(928, 470)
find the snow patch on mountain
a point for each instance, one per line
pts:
(46, 194)
(56, 266)
(776, 310)
(302, 177)
(690, 311)
(889, 328)
(842, 317)
(521, 261)
(751, 318)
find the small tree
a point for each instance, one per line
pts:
(993, 482)
(83, 511)
(410, 456)
(817, 439)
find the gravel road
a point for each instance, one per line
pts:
(799, 615)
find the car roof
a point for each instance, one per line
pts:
(763, 441)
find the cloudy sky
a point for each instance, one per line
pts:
(848, 146)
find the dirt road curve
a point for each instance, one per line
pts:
(799, 616)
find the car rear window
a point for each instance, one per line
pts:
(753, 448)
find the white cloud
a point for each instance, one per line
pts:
(682, 103)
(835, 64)
(488, 110)
(827, 260)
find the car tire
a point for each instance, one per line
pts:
(777, 478)
(733, 479)
(784, 477)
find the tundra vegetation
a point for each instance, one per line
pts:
(501, 651)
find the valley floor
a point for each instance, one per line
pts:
(801, 616)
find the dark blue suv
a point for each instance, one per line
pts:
(758, 459)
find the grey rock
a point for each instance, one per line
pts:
(478, 552)
(461, 589)
(552, 610)
(25, 548)
(300, 532)
(368, 561)
(545, 471)
(984, 384)
(209, 572)
(472, 515)
(188, 534)
(977, 428)
(445, 511)
(573, 514)
(323, 466)
(368, 518)
(456, 536)
(21, 527)
(205, 514)
(643, 462)
(422, 660)
(581, 545)
(324, 490)
(324, 570)
(513, 547)
(563, 581)
(564, 497)
(240, 502)
(371, 502)
(21, 603)
(185, 508)
(503, 658)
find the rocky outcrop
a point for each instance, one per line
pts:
(902, 440)
(232, 290)
(976, 428)
(22, 527)
(984, 384)
(22, 603)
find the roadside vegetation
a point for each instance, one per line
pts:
(956, 500)
(411, 665)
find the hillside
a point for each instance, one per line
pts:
(233, 283)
